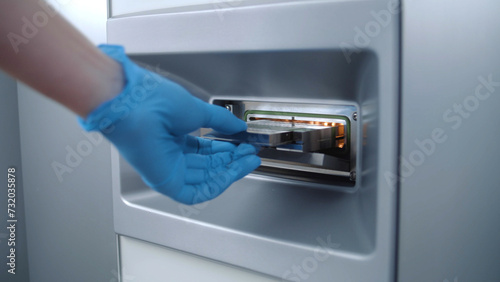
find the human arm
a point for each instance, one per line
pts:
(150, 128)
(55, 58)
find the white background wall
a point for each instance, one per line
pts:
(10, 156)
(69, 222)
(449, 220)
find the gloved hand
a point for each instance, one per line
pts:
(149, 123)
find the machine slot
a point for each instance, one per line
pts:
(298, 139)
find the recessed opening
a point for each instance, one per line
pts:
(291, 204)
(299, 139)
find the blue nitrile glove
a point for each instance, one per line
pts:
(149, 123)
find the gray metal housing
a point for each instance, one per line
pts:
(449, 180)
(69, 220)
(267, 224)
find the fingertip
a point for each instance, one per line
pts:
(245, 149)
(257, 148)
(242, 124)
(244, 166)
(224, 121)
(253, 162)
(222, 146)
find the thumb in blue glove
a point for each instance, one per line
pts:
(149, 124)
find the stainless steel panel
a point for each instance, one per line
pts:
(143, 261)
(124, 7)
(278, 53)
(449, 227)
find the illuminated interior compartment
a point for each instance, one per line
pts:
(338, 124)
(317, 141)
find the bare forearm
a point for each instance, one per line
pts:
(51, 56)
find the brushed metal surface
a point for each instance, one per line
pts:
(449, 225)
(277, 53)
